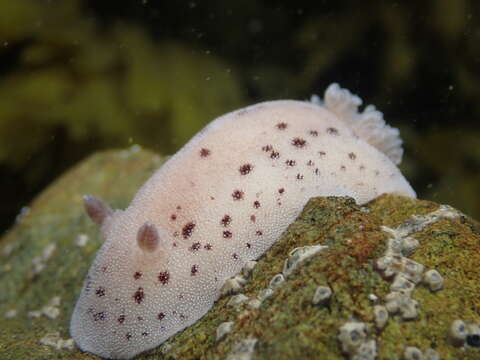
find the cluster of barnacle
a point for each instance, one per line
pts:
(354, 340)
(298, 255)
(405, 273)
(419, 222)
(243, 350)
(465, 334)
(39, 262)
(51, 310)
(233, 287)
(414, 353)
(295, 257)
(236, 283)
(54, 340)
(353, 337)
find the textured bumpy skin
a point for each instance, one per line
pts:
(222, 200)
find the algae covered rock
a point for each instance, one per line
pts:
(379, 281)
(44, 258)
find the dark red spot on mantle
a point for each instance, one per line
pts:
(313, 132)
(274, 155)
(195, 246)
(290, 162)
(253, 218)
(128, 336)
(100, 291)
(256, 204)
(352, 156)
(259, 233)
(226, 220)
(173, 217)
(137, 275)
(121, 319)
(139, 295)
(160, 316)
(99, 316)
(164, 277)
(194, 270)
(245, 169)
(267, 148)
(204, 152)
(227, 234)
(235, 256)
(282, 126)
(299, 142)
(237, 195)
(207, 246)
(281, 190)
(188, 229)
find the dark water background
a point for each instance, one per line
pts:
(78, 76)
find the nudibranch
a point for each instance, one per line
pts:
(219, 202)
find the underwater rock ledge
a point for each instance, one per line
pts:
(396, 274)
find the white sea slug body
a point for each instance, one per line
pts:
(221, 201)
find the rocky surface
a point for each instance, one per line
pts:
(371, 294)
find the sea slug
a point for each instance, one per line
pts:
(221, 201)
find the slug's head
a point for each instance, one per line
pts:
(127, 298)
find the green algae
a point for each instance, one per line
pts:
(287, 325)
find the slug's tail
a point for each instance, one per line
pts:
(368, 125)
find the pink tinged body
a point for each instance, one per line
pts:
(222, 200)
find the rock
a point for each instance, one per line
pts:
(42, 258)
(45, 257)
